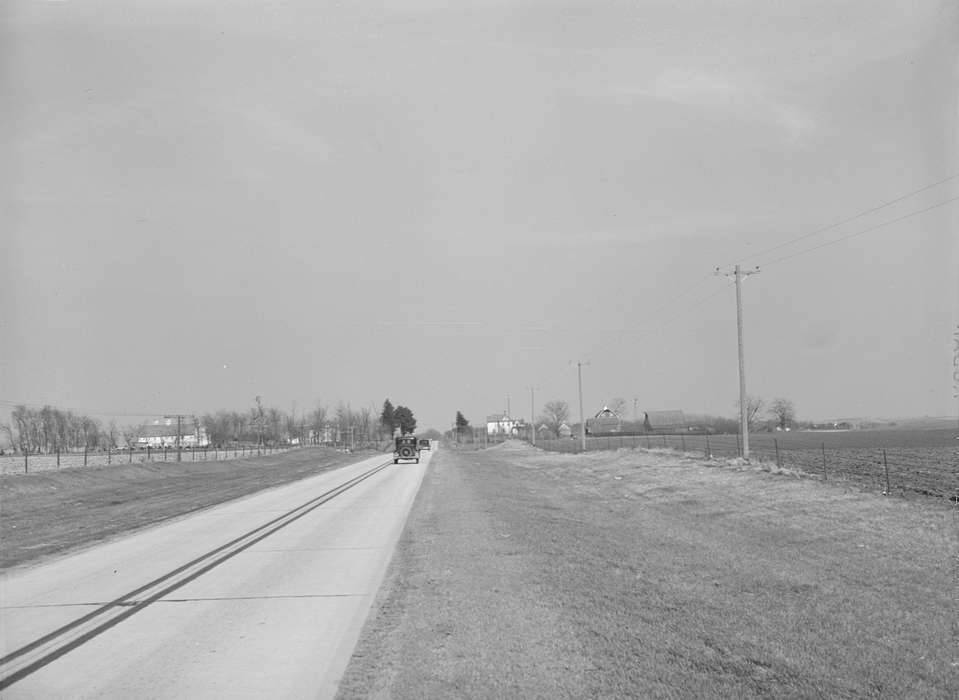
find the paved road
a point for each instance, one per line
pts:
(279, 618)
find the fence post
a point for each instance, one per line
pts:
(149, 458)
(26, 466)
(109, 455)
(824, 477)
(776, 443)
(649, 445)
(131, 455)
(84, 455)
(164, 453)
(885, 465)
(708, 452)
(58, 456)
(739, 447)
(682, 439)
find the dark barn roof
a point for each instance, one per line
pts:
(665, 421)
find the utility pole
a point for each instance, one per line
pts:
(582, 417)
(738, 274)
(179, 418)
(507, 406)
(532, 416)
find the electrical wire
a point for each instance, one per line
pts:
(860, 233)
(846, 220)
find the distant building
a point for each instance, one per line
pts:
(664, 422)
(565, 431)
(604, 423)
(504, 425)
(163, 433)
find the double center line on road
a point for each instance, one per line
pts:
(31, 657)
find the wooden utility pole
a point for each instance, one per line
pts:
(738, 274)
(532, 415)
(582, 417)
(179, 431)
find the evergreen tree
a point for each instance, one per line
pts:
(462, 425)
(405, 420)
(388, 417)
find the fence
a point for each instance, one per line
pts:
(920, 462)
(26, 463)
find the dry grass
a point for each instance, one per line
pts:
(53, 512)
(524, 574)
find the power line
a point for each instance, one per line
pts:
(860, 233)
(848, 219)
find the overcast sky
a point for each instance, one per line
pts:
(202, 201)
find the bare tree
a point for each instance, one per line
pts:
(131, 434)
(555, 413)
(617, 405)
(754, 405)
(318, 421)
(783, 411)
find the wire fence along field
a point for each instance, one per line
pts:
(27, 463)
(901, 462)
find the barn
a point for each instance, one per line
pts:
(664, 422)
(606, 422)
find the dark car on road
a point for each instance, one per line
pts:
(424, 444)
(406, 448)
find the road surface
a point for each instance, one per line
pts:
(255, 598)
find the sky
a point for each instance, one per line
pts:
(448, 204)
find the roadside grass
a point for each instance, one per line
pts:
(53, 512)
(637, 574)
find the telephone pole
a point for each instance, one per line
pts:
(532, 416)
(179, 432)
(582, 418)
(738, 274)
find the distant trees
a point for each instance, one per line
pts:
(405, 420)
(754, 405)
(617, 405)
(50, 429)
(388, 418)
(462, 425)
(554, 414)
(783, 412)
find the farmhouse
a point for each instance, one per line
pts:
(163, 433)
(565, 431)
(664, 422)
(504, 425)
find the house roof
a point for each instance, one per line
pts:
(607, 412)
(166, 429)
(665, 419)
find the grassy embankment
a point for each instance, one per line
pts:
(523, 574)
(53, 512)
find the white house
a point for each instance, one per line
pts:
(163, 433)
(504, 425)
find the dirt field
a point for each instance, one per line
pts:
(53, 512)
(629, 574)
(920, 463)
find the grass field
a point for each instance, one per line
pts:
(636, 574)
(920, 462)
(52, 512)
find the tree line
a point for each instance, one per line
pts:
(49, 429)
(779, 414)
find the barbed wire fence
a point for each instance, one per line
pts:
(892, 462)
